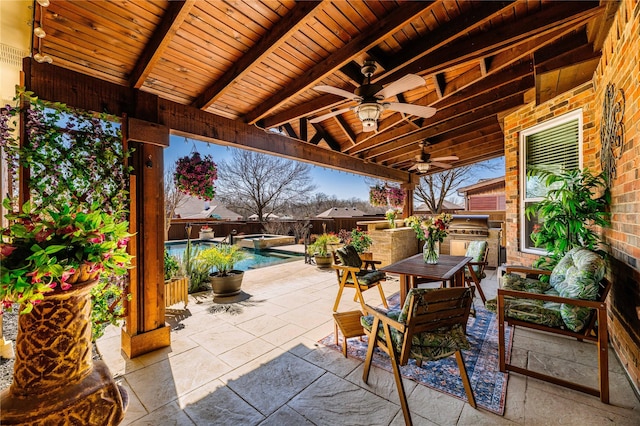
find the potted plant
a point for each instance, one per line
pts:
(50, 259)
(320, 249)
(359, 239)
(206, 233)
(225, 281)
(576, 201)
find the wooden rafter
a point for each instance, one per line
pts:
(174, 16)
(384, 27)
(501, 39)
(277, 35)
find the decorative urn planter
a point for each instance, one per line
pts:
(225, 286)
(322, 261)
(206, 234)
(55, 378)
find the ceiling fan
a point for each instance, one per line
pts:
(424, 160)
(370, 95)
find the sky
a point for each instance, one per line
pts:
(336, 183)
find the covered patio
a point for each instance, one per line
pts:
(259, 362)
(298, 80)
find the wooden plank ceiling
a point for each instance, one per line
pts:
(258, 63)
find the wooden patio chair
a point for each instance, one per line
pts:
(431, 326)
(526, 302)
(474, 271)
(353, 272)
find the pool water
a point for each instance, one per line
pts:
(256, 259)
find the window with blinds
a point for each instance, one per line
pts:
(552, 146)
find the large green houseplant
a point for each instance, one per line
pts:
(225, 281)
(576, 203)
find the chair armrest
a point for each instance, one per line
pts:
(527, 270)
(345, 268)
(593, 304)
(371, 264)
(477, 263)
(370, 310)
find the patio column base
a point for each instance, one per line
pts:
(140, 344)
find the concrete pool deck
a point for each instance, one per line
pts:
(258, 361)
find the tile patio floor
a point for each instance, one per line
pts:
(260, 363)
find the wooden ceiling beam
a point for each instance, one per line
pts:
(478, 102)
(176, 13)
(382, 29)
(346, 128)
(448, 125)
(323, 102)
(472, 130)
(272, 40)
(492, 42)
(452, 148)
(441, 36)
(326, 136)
(77, 90)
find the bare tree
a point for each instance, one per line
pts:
(173, 199)
(434, 189)
(261, 183)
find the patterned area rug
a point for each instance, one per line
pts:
(488, 383)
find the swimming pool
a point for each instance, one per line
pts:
(257, 259)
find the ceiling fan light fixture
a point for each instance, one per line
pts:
(423, 167)
(368, 113)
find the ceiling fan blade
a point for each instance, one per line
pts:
(441, 165)
(414, 167)
(335, 91)
(419, 110)
(408, 82)
(329, 115)
(450, 158)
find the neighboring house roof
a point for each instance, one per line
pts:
(481, 184)
(342, 212)
(196, 208)
(446, 205)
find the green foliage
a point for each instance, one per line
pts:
(106, 307)
(76, 159)
(222, 257)
(171, 266)
(575, 203)
(44, 249)
(321, 244)
(359, 239)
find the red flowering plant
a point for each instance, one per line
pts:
(383, 195)
(49, 249)
(195, 176)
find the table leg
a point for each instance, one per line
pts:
(458, 279)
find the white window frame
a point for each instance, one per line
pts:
(573, 115)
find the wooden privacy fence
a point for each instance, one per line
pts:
(224, 228)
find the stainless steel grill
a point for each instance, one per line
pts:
(465, 228)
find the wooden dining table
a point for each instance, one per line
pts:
(449, 270)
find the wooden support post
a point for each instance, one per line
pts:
(145, 329)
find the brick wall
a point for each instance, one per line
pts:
(620, 65)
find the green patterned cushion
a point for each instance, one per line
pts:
(476, 251)
(349, 256)
(577, 276)
(367, 277)
(428, 346)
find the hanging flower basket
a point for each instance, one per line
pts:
(196, 176)
(378, 195)
(383, 196)
(395, 197)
